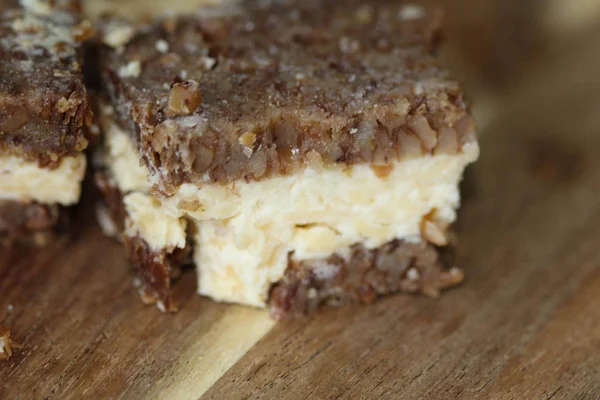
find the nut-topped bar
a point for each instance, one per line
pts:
(287, 140)
(43, 111)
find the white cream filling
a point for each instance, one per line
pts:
(245, 231)
(122, 161)
(145, 218)
(25, 181)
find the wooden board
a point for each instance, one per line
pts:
(525, 325)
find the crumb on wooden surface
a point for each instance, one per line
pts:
(6, 343)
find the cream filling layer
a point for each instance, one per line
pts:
(25, 181)
(245, 231)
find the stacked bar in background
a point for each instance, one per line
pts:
(309, 152)
(43, 115)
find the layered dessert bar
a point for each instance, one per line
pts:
(43, 115)
(310, 152)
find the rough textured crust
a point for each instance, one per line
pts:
(43, 101)
(257, 89)
(155, 268)
(398, 266)
(155, 271)
(30, 223)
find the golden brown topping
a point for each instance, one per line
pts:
(318, 82)
(184, 99)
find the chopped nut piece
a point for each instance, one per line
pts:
(247, 139)
(423, 130)
(433, 231)
(184, 98)
(447, 141)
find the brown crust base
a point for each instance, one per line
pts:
(155, 268)
(398, 266)
(30, 223)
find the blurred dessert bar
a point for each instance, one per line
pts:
(43, 113)
(310, 152)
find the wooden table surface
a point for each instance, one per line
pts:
(525, 324)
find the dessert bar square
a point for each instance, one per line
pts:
(43, 115)
(310, 152)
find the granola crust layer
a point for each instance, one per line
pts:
(398, 266)
(252, 90)
(155, 268)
